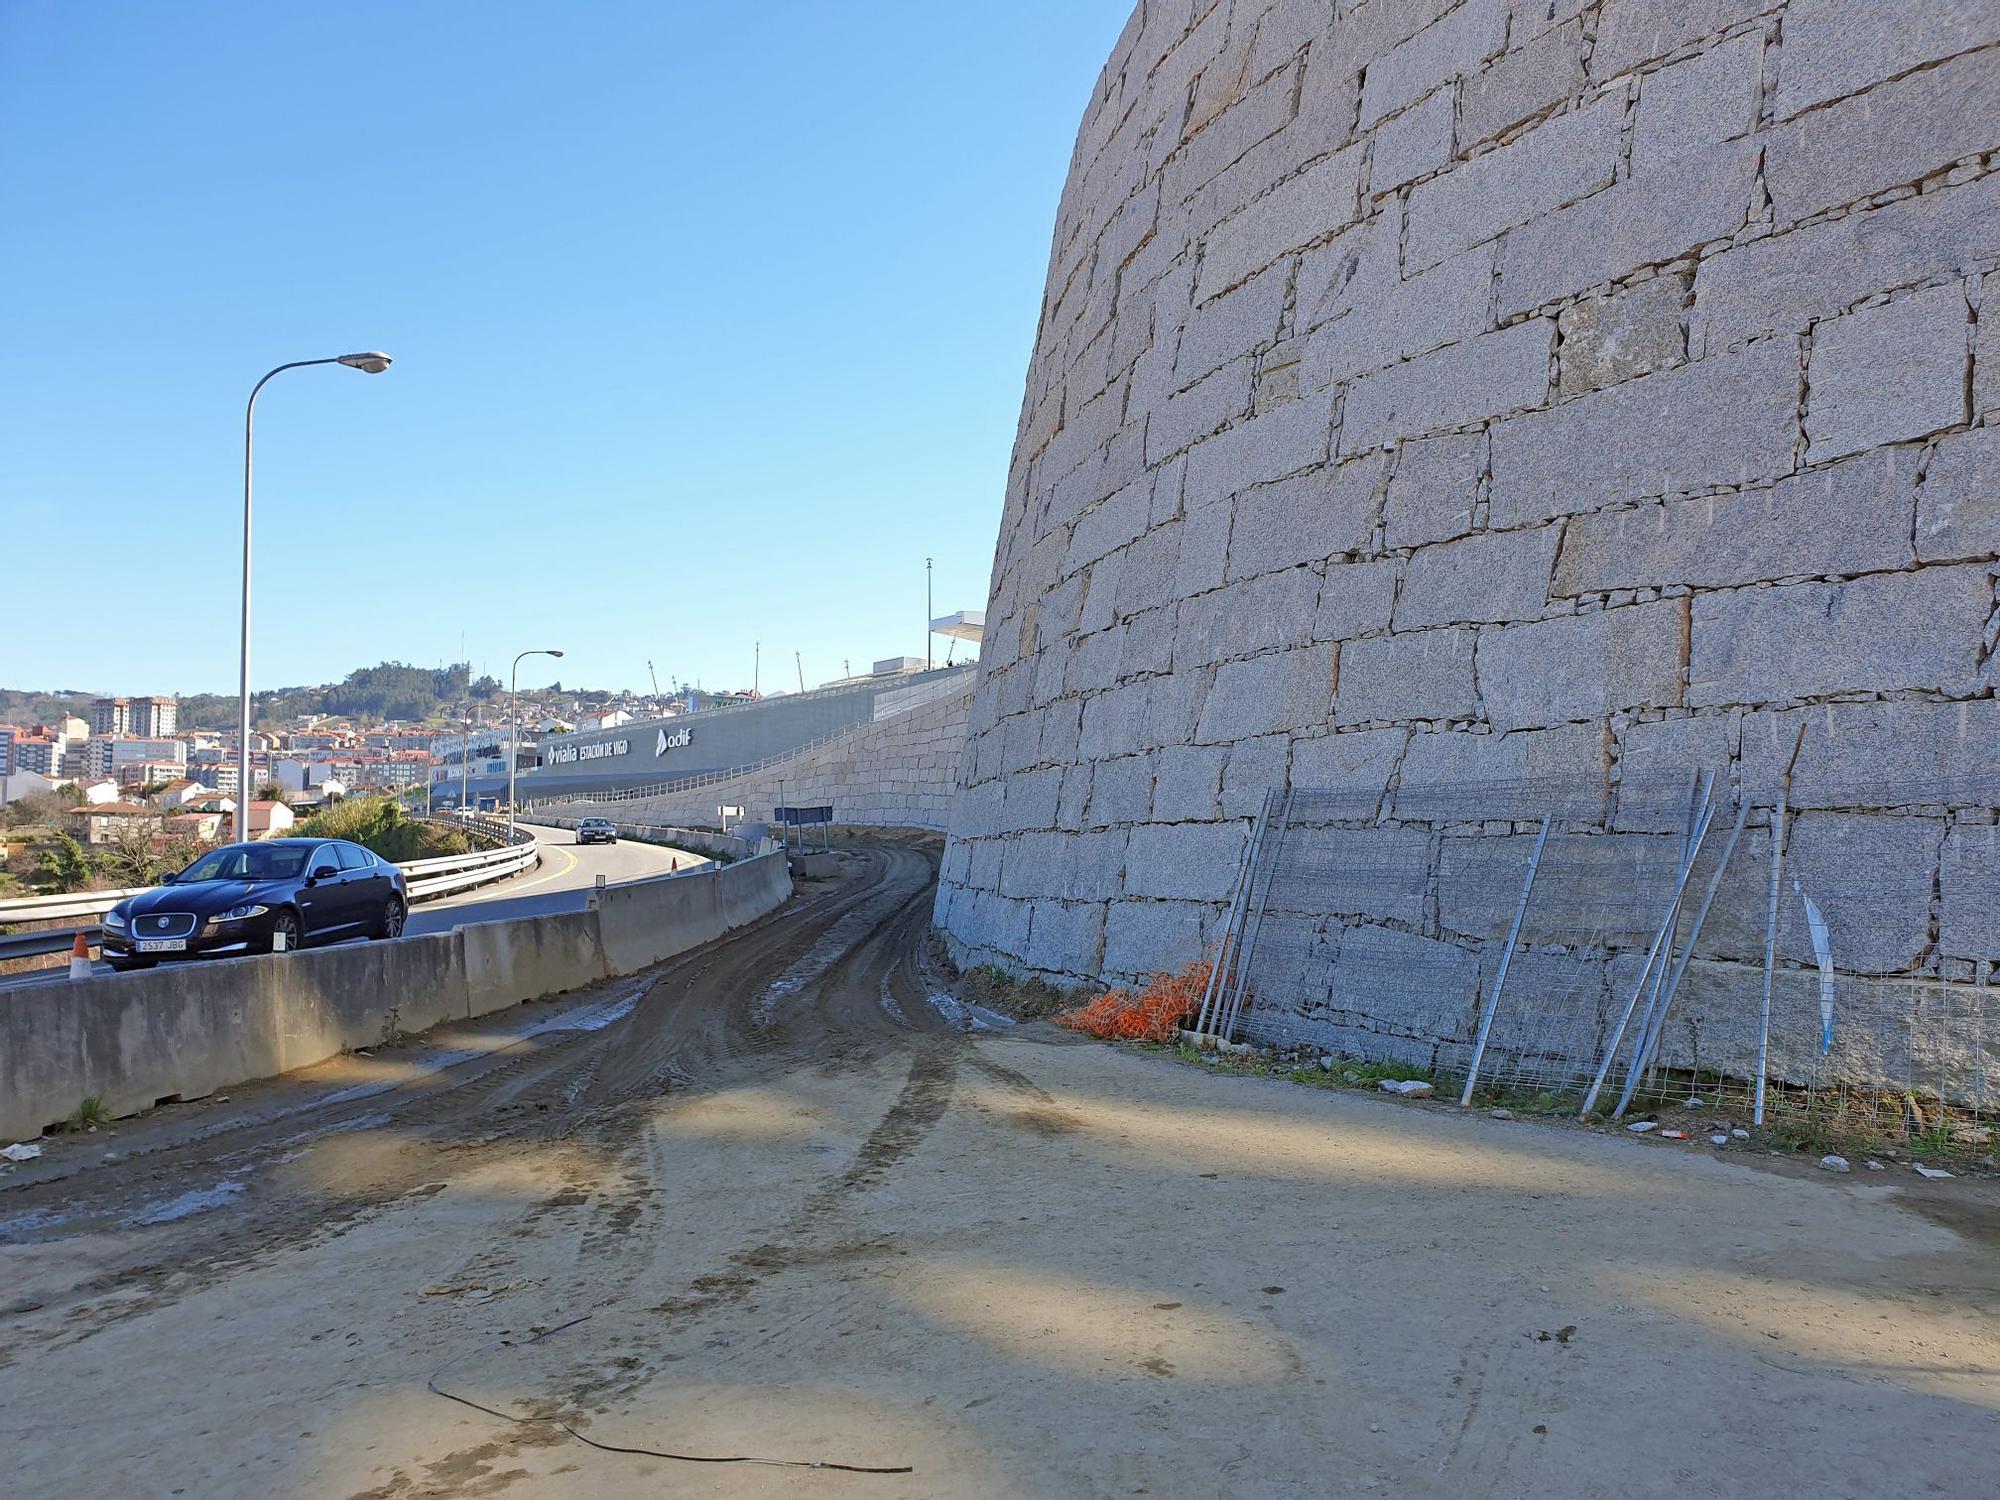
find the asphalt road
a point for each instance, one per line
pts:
(562, 882)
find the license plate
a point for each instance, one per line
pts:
(163, 945)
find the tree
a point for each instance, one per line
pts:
(272, 791)
(38, 807)
(64, 865)
(130, 861)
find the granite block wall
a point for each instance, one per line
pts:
(899, 771)
(1443, 390)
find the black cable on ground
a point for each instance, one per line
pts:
(687, 1458)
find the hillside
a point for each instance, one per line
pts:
(388, 691)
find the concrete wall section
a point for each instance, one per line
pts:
(1431, 391)
(182, 1031)
(527, 957)
(900, 771)
(717, 739)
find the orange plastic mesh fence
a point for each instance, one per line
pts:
(1154, 1014)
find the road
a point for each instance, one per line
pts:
(765, 1202)
(561, 882)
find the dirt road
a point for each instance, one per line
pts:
(809, 1219)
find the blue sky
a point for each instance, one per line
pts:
(710, 322)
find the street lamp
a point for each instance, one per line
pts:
(368, 364)
(514, 736)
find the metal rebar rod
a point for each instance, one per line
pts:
(1259, 892)
(1696, 796)
(1225, 944)
(1652, 957)
(1649, 1035)
(1770, 954)
(1255, 914)
(1771, 926)
(1697, 807)
(1506, 958)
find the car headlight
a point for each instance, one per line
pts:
(241, 913)
(113, 919)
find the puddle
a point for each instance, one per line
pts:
(834, 944)
(967, 1017)
(198, 1201)
(594, 1018)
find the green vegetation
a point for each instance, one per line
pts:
(381, 824)
(388, 691)
(63, 865)
(132, 860)
(90, 1113)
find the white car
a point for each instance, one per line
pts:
(596, 831)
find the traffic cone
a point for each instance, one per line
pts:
(79, 958)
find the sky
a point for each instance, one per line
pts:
(710, 324)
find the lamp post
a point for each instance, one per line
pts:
(246, 786)
(514, 732)
(927, 614)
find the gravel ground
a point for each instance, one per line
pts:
(802, 1216)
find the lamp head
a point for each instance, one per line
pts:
(555, 653)
(367, 364)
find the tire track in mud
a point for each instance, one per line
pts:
(585, 1088)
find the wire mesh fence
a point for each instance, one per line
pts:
(1624, 947)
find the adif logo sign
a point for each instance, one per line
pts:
(680, 739)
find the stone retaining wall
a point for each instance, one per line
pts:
(898, 772)
(1432, 391)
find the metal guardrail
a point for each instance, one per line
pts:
(438, 876)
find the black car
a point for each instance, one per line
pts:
(239, 898)
(596, 831)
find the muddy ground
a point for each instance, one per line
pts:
(804, 1216)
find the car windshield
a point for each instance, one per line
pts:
(249, 862)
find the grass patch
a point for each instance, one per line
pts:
(90, 1113)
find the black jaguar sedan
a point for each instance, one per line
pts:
(256, 898)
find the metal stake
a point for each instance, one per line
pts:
(1653, 956)
(1256, 921)
(1655, 1001)
(1506, 957)
(1771, 925)
(1649, 1033)
(1225, 946)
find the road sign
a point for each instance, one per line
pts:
(795, 816)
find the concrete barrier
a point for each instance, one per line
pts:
(523, 958)
(183, 1031)
(634, 933)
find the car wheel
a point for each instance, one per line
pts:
(127, 965)
(392, 919)
(287, 922)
